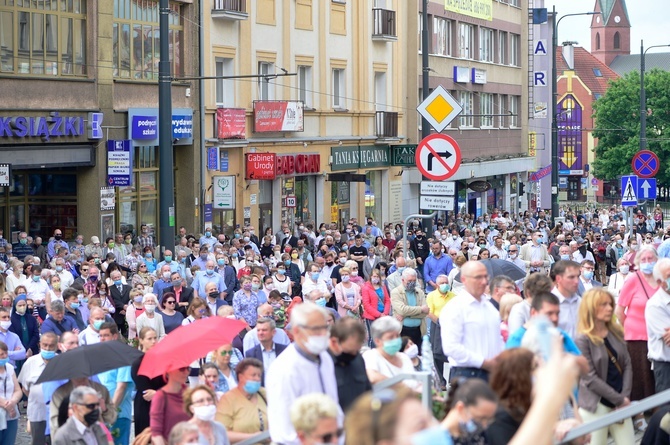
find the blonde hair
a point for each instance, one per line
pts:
(586, 323)
(506, 302)
(307, 410)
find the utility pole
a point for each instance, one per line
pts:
(425, 86)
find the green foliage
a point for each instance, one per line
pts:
(617, 124)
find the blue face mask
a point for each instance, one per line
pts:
(252, 386)
(97, 324)
(321, 302)
(4, 361)
(74, 305)
(588, 275)
(444, 288)
(287, 263)
(281, 271)
(208, 234)
(118, 282)
(210, 271)
(565, 257)
(392, 347)
(221, 262)
(168, 258)
(647, 268)
(48, 355)
(315, 276)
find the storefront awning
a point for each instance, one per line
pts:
(48, 156)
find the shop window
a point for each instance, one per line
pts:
(136, 39)
(138, 203)
(373, 194)
(128, 216)
(44, 40)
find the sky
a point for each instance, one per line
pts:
(648, 18)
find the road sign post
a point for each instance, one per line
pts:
(629, 187)
(646, 164)
(439, 108)
(646, 188)
(438, 157)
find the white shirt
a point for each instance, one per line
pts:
(309, 285)
(502, 253)
(567, 319)
(89, 336)
(66, 279)
(30, 372)
(12, 281)
(518, 316)
(587, 284)
(37, 290)
(470, 330)
(578, 257)
(517, 262)
(293, 375)
(657, 316)
(268, 357)
(616, 283)
(376, 362)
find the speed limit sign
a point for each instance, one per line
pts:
(290, 201)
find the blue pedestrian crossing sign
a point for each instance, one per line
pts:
(629, 190)
(646, 188)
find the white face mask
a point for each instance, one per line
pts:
(150, 307)
(624, 269)
(412, 351)
(205, 413)
(316, 344)
(5, 324)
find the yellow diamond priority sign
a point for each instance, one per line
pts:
(439, 108)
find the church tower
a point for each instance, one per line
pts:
(610, 30)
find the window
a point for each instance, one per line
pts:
(617, 40)
(597, 72)
(305, 85)
(465, 98)
(466, 41)
(513, 2)
(441, 44)
(597, 40)
(502, 47)
(486, 110)
(266, 89)
(136, 39)
(514, 50)
(514, 111)
(486, 44)
(502, 121)
(338, 89)
(380, 91)
(41, 39)
(225, 88)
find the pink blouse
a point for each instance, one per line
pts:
(634, 296)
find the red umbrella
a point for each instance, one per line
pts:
(189, 343)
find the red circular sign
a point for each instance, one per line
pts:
(438, 157)
(646, 164)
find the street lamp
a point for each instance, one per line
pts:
(643, 95)
(554, 123)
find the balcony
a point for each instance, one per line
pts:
(386, 124)
(230, 10)
(383, 25)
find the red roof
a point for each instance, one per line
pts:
(584, 66)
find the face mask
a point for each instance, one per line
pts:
(346, 358)
(565, 257)
(110, 245)
(59, 268)
(166, 275)
(444, 288)
(208, 234)
(93, 278)
(255, 286)
(79, 241)
(619, 242)
(56, 286)
(137, 300)
(118, 282)
(345, 278)
(150, 307)
(287, 263)
(23, 241)
(247, 239)
(47, 355)
(209, 271)
(482, 245)
(354, 273)
(92, 417)
(513, 255)
(294, 256)
(345, 247)
(204, 413)
(148, 254)
(321, 302)
(97, 324)
(342, 261)
(374, 280)
(21, 310)
(74, 305)
(213, 294)
(634, 247)
(128, 241)
(36, 278)
(221, 262)
(410, 286)
(647, 268)
(624, 269)
(392, 347)
(5, 324)
(412, 351)
(102, 292)
(281, 271)
(252, 386)
(246, 286)
(4, 361)
(588, 275)
(238, 236)
(469, 428)
(168, 258)
(316, 344)
(176, 283)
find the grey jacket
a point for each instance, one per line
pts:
(594, 385)
(68, 434)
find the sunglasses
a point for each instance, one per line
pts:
(227, 353)
(328, 438)
(170, 302)
(90, 406)
(143, 267)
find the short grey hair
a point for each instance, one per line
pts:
(149, 295)
(57, 306)
(180, 430)
(270, 321)
(301, 312)
(80, 392)
(409, 273)
(442, 276)
(384, 324)
(661, 265)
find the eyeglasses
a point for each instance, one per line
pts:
(227, 353)
(170, 302)
(206, 401)
(328, 438)
(90, 406)
(85, 270)
(143, 266)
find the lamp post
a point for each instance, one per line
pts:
(554, 123)
(643, 95)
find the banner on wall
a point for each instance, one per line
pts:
(278, 115)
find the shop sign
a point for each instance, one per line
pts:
(231, 123)
(144, 127)
(223, 160)
(364, 156)
(44, 127)
(479, 9)
(261, 166)
(182, 127)
(480, 186)
(212, 158)
(478, 76)
(278, 115)
(119, 163)
(223, 197)
(94, 125)
(298, 164)
(403, 155)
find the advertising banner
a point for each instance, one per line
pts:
(270, 116)
(231, 123)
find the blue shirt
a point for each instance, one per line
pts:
(209, 242)
(174, 266)
(514, 341)
(436, 266)
(201, 281)
(13, 341)
(411, 322)
(159, 288)
(120, 375)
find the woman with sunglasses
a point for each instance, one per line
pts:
(314, 417)
(200, 402)
(143, 276)
(167, 406)
(223, 359)
(172, 318)
(244, 410)
(146, 388)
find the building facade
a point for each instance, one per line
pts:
(75, 75)
(308, 139)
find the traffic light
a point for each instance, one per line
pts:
(522, 188)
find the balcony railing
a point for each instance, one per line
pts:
(384, 25)
(230, 9)
(386, 124)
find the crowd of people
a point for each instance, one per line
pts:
(331, 311)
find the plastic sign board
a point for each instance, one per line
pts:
(646, 188)
(629, 190)
(439, 108)
(438, 188)
(436, 203)
(291, 201)
(646, 164)
(438, 157)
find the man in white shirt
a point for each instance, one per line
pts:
(454, 241)
(313, 281)
(513, 257)
(535, 255)
(251, 338)
(471, 326)
(497, 248)
(657, 316)
(565, 275)
(37, 287)
(304, 367)
(577, 255)
(91, 335)
(66, 278)
(30, 372)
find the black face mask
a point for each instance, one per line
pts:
(92, 417)
(329, 263)
(58, 237)
(345, 358)
(213, 294)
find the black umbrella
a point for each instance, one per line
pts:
(87, 361)
(496, 266)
